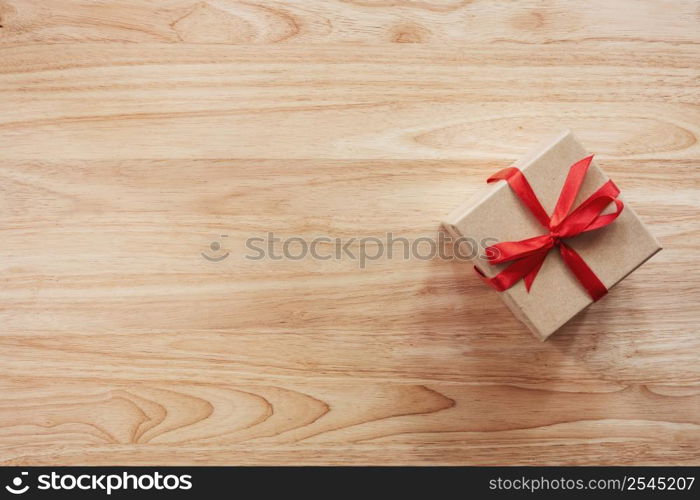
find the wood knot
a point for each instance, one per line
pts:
(409, 33)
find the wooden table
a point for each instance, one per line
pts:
(133, 135)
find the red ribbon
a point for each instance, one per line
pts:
(528, 255)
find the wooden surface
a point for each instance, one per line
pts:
(133, 134)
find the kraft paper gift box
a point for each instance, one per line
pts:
(556, 294)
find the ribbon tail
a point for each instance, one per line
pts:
(529, 278)
(583, 273)
(521, 268)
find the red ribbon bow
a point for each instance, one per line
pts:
(528, 255)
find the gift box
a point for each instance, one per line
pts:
(556, 231)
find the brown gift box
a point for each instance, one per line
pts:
(556, 296)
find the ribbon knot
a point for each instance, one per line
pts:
(527, 256)
(556, 239)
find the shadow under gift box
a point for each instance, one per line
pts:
(556, 296)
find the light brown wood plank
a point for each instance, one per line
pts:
(169, 101)
(346, 422)
(351, 21)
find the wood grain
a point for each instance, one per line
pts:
(133, 134)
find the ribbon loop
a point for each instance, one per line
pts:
(574, 179)
(527, 256)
